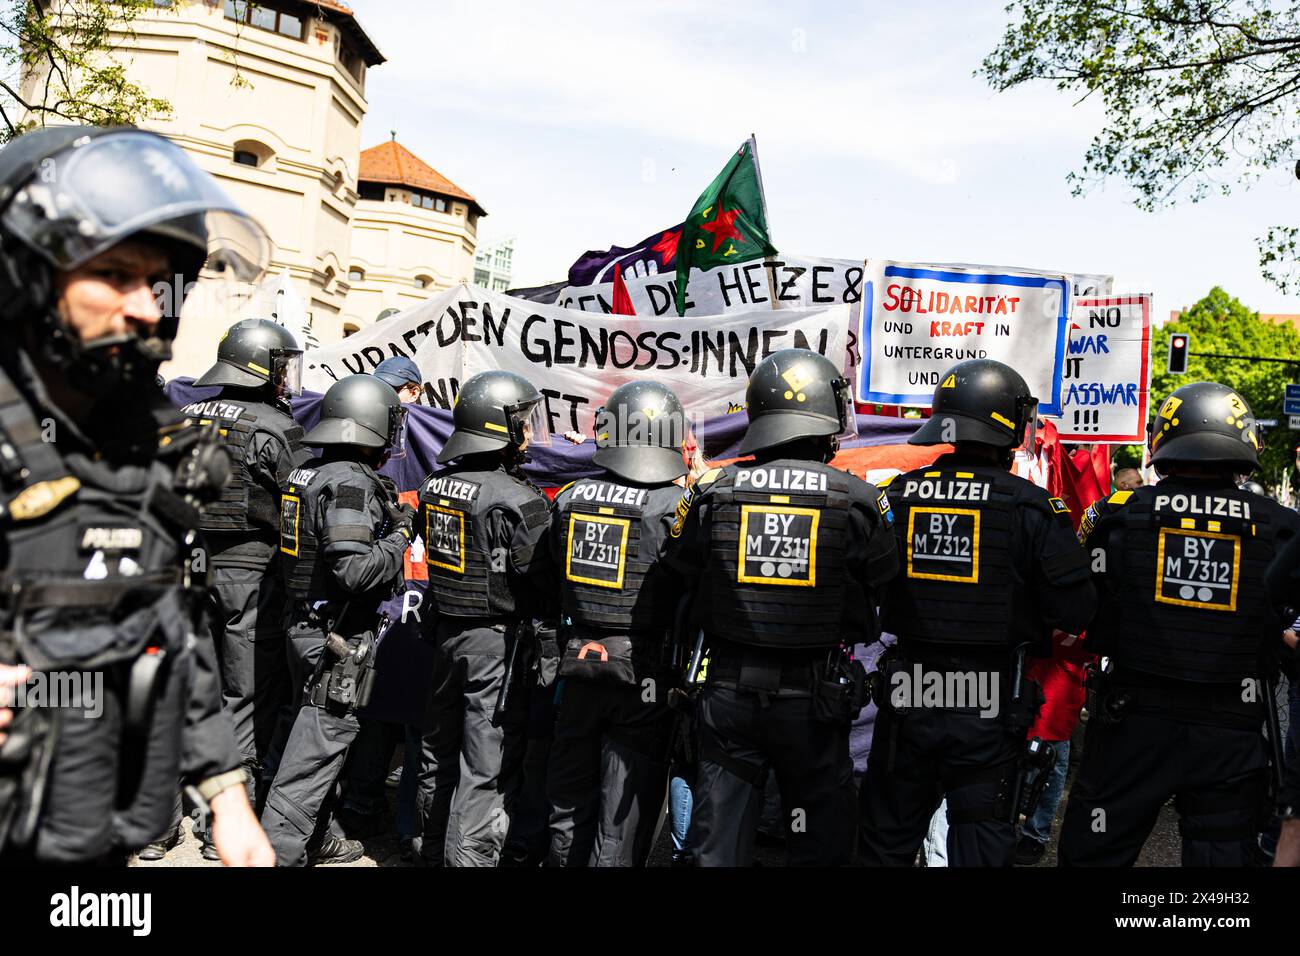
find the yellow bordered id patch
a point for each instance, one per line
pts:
(597, 550)
(290, 517)
(943, 544)
(778, 545)
(1198, 569)
(444, 538)
(1059, 506)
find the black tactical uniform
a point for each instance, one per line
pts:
(786, 552)
(609, 763)
(258, 362)
(342, 541)
(99, 520)
(1189, 631)
(482, 523)
(990, 565)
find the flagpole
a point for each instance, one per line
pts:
(768, 270)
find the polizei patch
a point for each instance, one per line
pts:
(778, 545)
(597, 550)
(444, 538)
(943, 544)
(99, 538)
(1198, 569)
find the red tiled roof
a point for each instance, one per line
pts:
(392, 163)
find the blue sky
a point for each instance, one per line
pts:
(579, 125)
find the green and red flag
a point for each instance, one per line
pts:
(728, 223)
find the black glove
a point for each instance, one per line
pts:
(401, 518)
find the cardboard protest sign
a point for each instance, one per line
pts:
(1107, 371)
(918, 321)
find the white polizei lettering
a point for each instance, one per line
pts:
(784, 479)
(1203, 504)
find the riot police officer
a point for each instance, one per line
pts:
(787, 552)
(100, 480)
(1192, 640)
(259, 365)
(608, 768)
(482, 523)
(989, 566)
(343, 537)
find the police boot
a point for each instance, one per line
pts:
(335, 850)
(158, 849)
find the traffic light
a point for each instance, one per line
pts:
(1179, 344)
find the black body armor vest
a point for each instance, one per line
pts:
(612, 579)
(956, 582)
(468, 573)
(777, 574)
(1190, 563)
(245, 505)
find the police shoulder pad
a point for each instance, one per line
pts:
(710, 476)
(563, 488)
(884, 483)
(1058, 506)
(1119, 498)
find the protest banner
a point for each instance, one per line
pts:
(1107, 371)
(576, 359)
(778, 282)
(1081, 283)
(918, 321)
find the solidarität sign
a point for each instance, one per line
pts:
(1107, 371)
(919, 321)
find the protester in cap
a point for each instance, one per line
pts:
(403, 374)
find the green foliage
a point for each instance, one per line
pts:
(1126, 456)
(67, 47)
(1220, 323)
(1199, 94)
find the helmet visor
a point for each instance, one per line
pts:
(528, 420)
(845, 409)
(286, 371)
(86, 199)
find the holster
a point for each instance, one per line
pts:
(25, 759)
(839, 690)
(347, 680)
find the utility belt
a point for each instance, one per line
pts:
(611, 657)
(1113, 695)
(1019, 697)
(835, 682)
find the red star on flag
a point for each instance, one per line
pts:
(723, 228)
(667, 246)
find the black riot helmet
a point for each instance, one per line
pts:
(794, 394)
(639, 434)
(361, 411)
(254, 353)
(1205, 423)
(70, 193)
(978, 400)
(494, 410)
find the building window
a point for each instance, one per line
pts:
(351, 61)
(480, 278)
(356, 274)
(328, 284)
(498, 285)
(350, 328)
(374, 191)
(249, 152)
(264, 18)
(423, 282)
